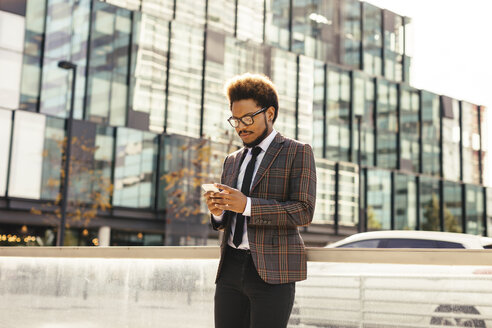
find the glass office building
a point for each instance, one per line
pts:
(149, 118)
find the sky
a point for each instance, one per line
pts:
(451, 55)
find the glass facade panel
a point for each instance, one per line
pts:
(378, 201)
(431, 134)
(429, 204)
(11, 41)
(10, 65)
(350, 28)
(305, 100)
(187, 163)
(67, 28)
(387, 124)
(372, 39)
(221, 15)
(364, 104)
(405, 202)
(163, 9)
(107, 90)
(409, 129)
(324, 212)
(149, 69)
(486, 167)
(91, 166)
(451, 140)
(284, 76)
(393, 46)
(474, 209)
(36, 156)
(314, 29)
(191, 12)
(470, 134)
(250, 20)
(185, 80)
(453, 206)
(127, 4)
(338, 115)
(135, 168)
(348, 195)
(31, 66)
(277, 22)
(5, 130)
(319, 109)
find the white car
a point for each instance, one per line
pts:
(413, 239)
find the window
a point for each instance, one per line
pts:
(393, 46)
(10, 65)
(364, 105)
(305, 100)
(348, 195)
(378, 203)
(324, 212)
(409, 129)
(338, 114)
(387, 124)
(277, 22)
(451, 135)
(250, 20)
(431, 134)
(408, 243)
(474, 209)
(371, 243)
(429, 204)
(453, 206)
(372, 39)
(470, 134)
(405, 202)
(350, 33)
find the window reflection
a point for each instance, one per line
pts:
(5, 130)
(351, 32)
(348, 195)
(318, 141)
(378, 202)
(67, 28)
(405, 202)
(471, 142)
(474, 209)
(149, 70)
(185, 80)
(429, 204)
(305, 100)
(409, 129)
(250, 20)
(277, 22)
(393, 46)
(324, 212)
(372, 38)
(284, 76)
(338, 114)
(135, 163)
(387, 124)
(453, 206)
(108, 71)
(221, 15)
(451, 138)
(364, 104)
(431, 134)
(36, 156)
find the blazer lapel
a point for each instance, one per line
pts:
(270, 155)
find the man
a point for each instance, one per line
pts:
(268, 190)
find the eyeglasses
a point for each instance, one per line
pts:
(246, 119)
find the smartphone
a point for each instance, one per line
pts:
(210, 187)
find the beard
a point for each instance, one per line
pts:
(257, 141)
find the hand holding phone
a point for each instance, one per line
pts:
(210, 187)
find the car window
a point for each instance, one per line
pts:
(408, 243)
(370, 243)
(448, 244)
(487, 246)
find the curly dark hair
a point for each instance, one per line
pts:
(252, 86)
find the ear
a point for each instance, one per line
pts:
(270, 113)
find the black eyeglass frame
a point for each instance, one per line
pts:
(240, 119)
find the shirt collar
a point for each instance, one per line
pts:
(267, 141)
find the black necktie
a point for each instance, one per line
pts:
(248, 176)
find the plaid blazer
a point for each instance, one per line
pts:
(283, 195)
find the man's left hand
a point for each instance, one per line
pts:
(230, 199)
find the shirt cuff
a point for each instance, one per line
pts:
(218, 218)
(247, 209)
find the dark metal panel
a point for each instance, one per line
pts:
(138, 120)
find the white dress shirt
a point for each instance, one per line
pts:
(247, 210)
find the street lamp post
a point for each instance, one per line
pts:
(61, 230)
(360, 225)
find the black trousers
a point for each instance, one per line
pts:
(244, 300)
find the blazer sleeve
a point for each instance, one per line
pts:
(298, 210)
(216, 225)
